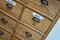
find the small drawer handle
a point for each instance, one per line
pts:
(45, 2)
(1, 33)
(10, 4)
(4, 20)
(28, 34)
(36, 19)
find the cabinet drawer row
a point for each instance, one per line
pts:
(28, 16)
(31, 18)
(15, 8)
(21, 30)
(50, 11)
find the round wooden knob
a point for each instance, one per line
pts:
(28, 34)
(1, 33)
(9, 6)
(4, 20)
(36, 19)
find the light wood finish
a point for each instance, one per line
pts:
(36, 10)
(5, 35)
(55, 3)
(50, 10)
(14, 12)
(41, 26)
(15, 38)
(24, 1)
(36, 2)
(20, 19)
(10, 22)
(22, 23)
(21, 29)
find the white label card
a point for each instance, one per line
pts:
(11, 2)
(34, 14)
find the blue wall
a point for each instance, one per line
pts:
(55, 33)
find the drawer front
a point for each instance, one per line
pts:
(41, 24)
(36, 1)
(6, 22)
(12, 10)
(26, 33)
(15, 38)
(55, 3)
(4, 35)
(50, 10)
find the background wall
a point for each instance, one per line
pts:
(55, 33)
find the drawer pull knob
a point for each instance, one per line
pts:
(4, 20)
(28, 34)
(45, 2)
(10, 4)
(1, 33)
(37, 17)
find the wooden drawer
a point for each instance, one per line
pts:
(24, 1)
(36, 1)
(4, 35)
(14, 11)
(27, 34)
(55, 3)
(50, 11)
(15, 38)
(41, 25)
(6, 22)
